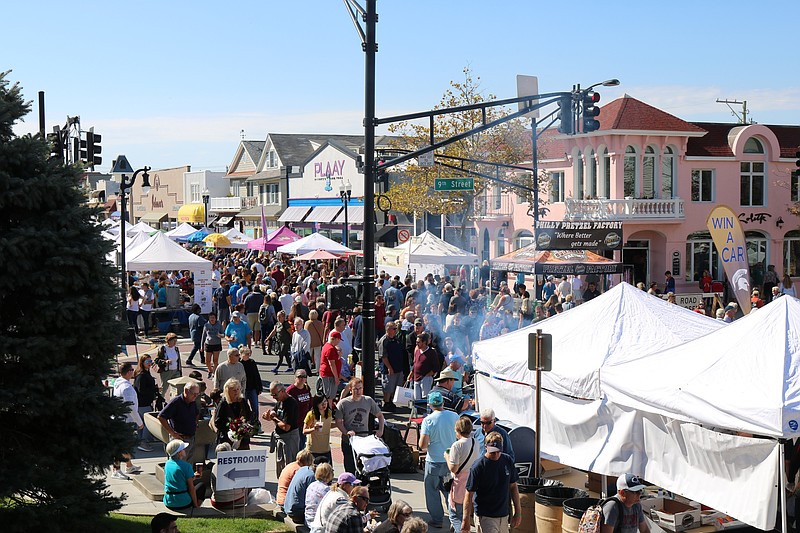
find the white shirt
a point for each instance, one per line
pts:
(301, 342)
(577, 286)
(346, 344)
(329, 502)
(123, 389)
(259, 267)
(286, 300)
(564, 288)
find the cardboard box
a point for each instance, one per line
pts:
(552, 469)
(595, 484)
(651, 502)
(709, 516)
(726, 522)
(676, 516)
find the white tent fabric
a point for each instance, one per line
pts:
(238, 239)
(141, 227)
(622, 324)
(313, 242)
(426, 253)
(744, 377)
(160, 253)
(114, 228)
(184, 230)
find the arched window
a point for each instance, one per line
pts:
(791, 253)
(501, 242)
(649, 173)
(591, 174)
(701, 255)
(523, 239)
(629, 178)
(579, 183)
(606, 174)
(753, 146)
(668, 173)
(485, 249)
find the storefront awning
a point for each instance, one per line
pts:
(191, 213)
(355, 215)
(295, 213)
(324, 214)
(155, 216)
(386, 234)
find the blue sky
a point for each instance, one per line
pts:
(172, 83)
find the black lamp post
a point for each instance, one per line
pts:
(126, 184)
(345, 190)
(205, 207)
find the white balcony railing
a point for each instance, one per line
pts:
(627, 209)
(232, 203)
(490, 206)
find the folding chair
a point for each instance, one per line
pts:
(419, 409)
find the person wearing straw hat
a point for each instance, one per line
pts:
(182, 488)
(444, 386)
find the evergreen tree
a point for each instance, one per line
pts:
(59, 331)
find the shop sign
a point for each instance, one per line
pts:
(583, 235)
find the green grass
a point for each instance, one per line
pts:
(118, 523)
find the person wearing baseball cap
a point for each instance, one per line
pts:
(330, 367)
(624, 508)
(488, 474)
(339, 492)
(437, 434)
(238, 333)
(182, 486)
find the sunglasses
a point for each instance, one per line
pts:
(486, 422)
(148, 361)
(408, 513)
(303, 376)
(365, 498)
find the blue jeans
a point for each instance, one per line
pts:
(423, 387)
(434, 477)
(144, 433)
(251, 395)
(456, 514)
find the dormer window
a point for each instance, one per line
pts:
(753, 146)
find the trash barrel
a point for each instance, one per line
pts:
(527, 488)
(549, 507)
(573, 511)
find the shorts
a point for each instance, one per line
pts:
(327, 385)
(390, 383)
(252, 321)
(211, 348)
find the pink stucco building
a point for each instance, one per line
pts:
(661, 176)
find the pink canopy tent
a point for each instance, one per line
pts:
(316, 256)
(277, 238)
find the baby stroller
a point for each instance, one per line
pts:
(372, 458)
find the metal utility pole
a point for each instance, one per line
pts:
(741, 118)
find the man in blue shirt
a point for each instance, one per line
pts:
(438, 433)
(491, 480)
(238, 333)
(295, 503)
(488, 425)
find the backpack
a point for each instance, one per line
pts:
(593, 518)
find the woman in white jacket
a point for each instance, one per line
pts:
(124, 389)
(301, 347)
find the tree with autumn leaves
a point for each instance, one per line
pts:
(508, 143)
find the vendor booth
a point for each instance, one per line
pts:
(314, 242)
(181, 232)
(423, 254)
(584, 428)
(555, 262)
(160, 253)
(277, 238)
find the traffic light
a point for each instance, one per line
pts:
(567, 124)
(56, 144)
(590, 111)
(93, 149)
(84, 156)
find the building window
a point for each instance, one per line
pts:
(273, 194)
(485, 248)
(194, 192)
(702, 185)
(272, 160)
(523, 239)
(796, 186)
(606, 173)
(701, 255)
(629, 177)
(497, 195)
(791, 253)
(579, 178)
(556, 184)
(649, 173)
(501, 242)
(756, 255)
(668, 173)
(752, 184)
(753, 146)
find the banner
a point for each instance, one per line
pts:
(588, 235)
(391, 257)
(726, 231)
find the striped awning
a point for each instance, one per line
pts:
(294, 213)
(324, 214)
(355, 215)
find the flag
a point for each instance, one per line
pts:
(263, 225)
(726, 231)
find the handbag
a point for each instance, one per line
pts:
(403, 395)
(447, 484)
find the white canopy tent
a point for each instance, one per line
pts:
(238, 239)
(313, 242)
(114, 227)
(182, 231)
(141, 227)
(160, 253)
(583, 429)
(424, 253)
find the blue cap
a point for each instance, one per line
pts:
(435, 399)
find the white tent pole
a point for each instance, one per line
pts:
(782, 488)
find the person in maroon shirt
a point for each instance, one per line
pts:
(300, 391)
(277, 275)
(426, 365)
(330, 367)
(380, 316)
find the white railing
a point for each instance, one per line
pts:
(489, 206)
(232, 203)
(629, 208)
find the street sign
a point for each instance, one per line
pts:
(528, 86)
(403, 235)
(454, 184)
(426, 159)
(545, 358)
(121, 166)
(241, 469)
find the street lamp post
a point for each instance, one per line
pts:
(205, 207)
(126, 184)
(345, 190)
